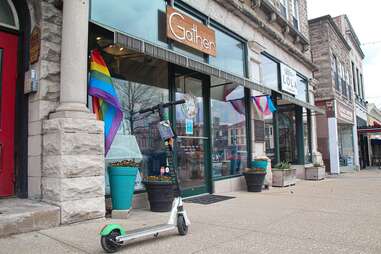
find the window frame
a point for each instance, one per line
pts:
(15, 18)
(295, 14)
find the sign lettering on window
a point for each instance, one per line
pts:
(190, 32)
(288, 79)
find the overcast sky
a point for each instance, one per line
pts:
(365, 17)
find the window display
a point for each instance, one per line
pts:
(229, 149)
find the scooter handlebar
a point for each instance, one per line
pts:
(165, 105)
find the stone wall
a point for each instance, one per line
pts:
(321, 56)
(49, 19)
(73, 168)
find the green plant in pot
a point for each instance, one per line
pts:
(255, 178)
(160, 190)
(283, 174)
(284, 165)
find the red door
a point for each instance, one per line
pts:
(8, 63)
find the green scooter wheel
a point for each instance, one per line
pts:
(108, 242)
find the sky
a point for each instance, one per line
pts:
(365, 18)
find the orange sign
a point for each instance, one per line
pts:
(190, 32)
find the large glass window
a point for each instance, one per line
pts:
(346, 154)
(302, 89)
(287, 133)
(142, 18)
(140, 82)
(269, 70)
(230, 53)
(307, 135)
(229, 148)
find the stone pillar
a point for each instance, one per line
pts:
(73, 141)
(333, 145)
(316, 155)
(73, 92)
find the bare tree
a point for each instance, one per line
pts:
(133, 97)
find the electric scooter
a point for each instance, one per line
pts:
(113, 236)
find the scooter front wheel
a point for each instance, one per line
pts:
(108, 242)
(181, 225)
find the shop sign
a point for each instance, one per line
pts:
(344, 112)
(190, 32)
(288, 79)
(35, 42)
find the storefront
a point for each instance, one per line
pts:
(151, 62)
(288, 132)
(338, 140)
(147, 69)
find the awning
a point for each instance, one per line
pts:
(369, 129)
(301, 103)
(171, 56)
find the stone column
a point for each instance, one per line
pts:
(73, 141)
(316, 155)
(73, 90)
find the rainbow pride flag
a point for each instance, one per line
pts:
(105, 101)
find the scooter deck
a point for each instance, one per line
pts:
(142, 232)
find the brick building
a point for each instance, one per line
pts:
(336, 51)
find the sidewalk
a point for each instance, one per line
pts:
(341, 214)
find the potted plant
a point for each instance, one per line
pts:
(122, 176)
(284, 175)
(255, 178)
(160, 190)
(316, 172)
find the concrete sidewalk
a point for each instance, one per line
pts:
(338, 215)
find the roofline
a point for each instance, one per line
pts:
(353, 33)
(334, 26)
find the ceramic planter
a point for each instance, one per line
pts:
(315, 173)
(254, 181)
(284, 177)
(160, 195)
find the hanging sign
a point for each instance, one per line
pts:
(288, 79)
(35, 42)
(190, 32)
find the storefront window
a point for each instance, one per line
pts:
(307, 136)
(287, 133)
(141, 18)
(269, 69)
(269, 137)
(228, 126)
(140, 82)
(230, 54)
(302, 89)
(346, 154)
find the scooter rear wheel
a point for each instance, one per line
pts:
(181, 225)
(108, 242)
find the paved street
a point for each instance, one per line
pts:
(338, 215)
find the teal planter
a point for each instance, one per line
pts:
(122, 184)
(259, 164)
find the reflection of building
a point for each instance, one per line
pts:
(370, 152)
(331, 50)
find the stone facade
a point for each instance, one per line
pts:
(66, 147)
(332, 53)
(49, 19)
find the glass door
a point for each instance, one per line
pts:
(191, 125)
